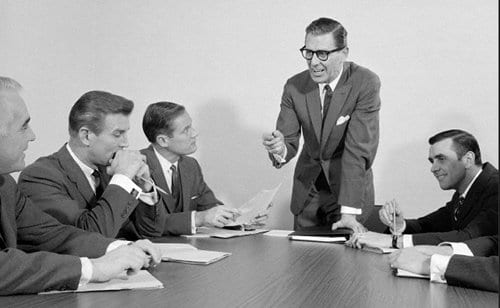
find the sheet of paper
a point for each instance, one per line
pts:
(383, 250)
(259, 204)
(403, 273)
(186, 253)
(325, 239)
(142, 280)
(278, 233)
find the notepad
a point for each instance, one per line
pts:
(143, 280)
(321, 235)
(381, 250)
(204, 232)
(185, 253)
(402, 273)
(324, 239)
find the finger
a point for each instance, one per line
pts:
(267, 136)
(337, 225)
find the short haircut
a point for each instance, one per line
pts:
(463, 142)
(7, 83)
(91, 109)
(325, 25)
(158, 119)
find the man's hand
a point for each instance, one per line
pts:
(429, 250)
(153, 252)
(128, 163)
(274, 143)
(218, 216)
(349, 221)
(412, 260)
(386, 215)
(370, 239)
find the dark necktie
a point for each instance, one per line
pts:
(327, 100)
(175, 187)
(99, 185)
(459, 204)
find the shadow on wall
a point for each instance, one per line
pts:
(234, 162)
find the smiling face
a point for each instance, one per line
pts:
(449, 170)
(15, 132)
(324, 71)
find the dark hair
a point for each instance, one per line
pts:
(325, 25)
(92, 107)
(158, 119)
(463, 142)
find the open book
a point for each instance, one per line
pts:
(314, 235)
(142, 280)
(185, 253)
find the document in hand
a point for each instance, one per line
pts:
(402, 273)
(256, 206)
(185, 253)
(142, 280)
(313, 235)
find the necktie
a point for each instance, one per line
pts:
(456, 212)
(327, 100)
(175, 187)
(99, 185)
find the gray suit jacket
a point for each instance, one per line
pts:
(37, 253)
(345, 148)
(59, 187)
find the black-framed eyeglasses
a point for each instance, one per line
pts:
(308, 54)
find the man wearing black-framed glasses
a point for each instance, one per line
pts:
(335, 104)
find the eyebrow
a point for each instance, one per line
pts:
(27, 121)
(436, 156)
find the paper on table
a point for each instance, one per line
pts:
(186, 253)
(142, 280)
(278, 233)
(259, 204)
(402, 273)
(382, 250)
(326, 239)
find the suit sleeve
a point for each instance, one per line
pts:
(47, 188)
(361, 142)
(473, 272)
(148, 219)
(50, 258)
(289, 125)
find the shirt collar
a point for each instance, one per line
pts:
(333, 83)
(86, 169)
(470, 184)
(164, 163)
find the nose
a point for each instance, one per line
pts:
(315, 59)
(434, 167)
(194, 133)
(31, 136)
(124, 141)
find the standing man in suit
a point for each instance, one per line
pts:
(37, 253)
(92, 182)
(335, 104)
(190, 203)
(472, 264)
(472, 212)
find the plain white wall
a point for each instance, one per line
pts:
(227, 62)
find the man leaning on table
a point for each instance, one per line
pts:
(472, 212)
(188, 202)
(472, 264)
(37, 252)
(93, 182)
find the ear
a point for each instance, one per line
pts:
(163, 140)
(85, 135)
(469, 159)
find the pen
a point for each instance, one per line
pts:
(152, 183)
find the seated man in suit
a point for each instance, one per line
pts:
(472, 211)
(37, 253)
(190, 203)
(472, 264)
(91, 182)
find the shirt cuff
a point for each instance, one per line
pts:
(459, 248)
(193, 222)
(407, 240)
(125, 183)
(116, 244)
(350, 210)
(281, 158)
(87, 271)
(439, 264)
(150, 198)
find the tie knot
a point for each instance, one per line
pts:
(96, 174)
(327, 89)
(461, 200)
(173, 168)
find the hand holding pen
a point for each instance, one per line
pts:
(392, 216)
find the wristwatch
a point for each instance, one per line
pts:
(395, 239)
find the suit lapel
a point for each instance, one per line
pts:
(313, 103)
(75, 174)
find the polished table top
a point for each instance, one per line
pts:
(265, 271)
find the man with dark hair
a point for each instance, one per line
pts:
(472, 211)
(471, 264)
(92, 181)
(335, 104)
(190, 203)
(37, 253)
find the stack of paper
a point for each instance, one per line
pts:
(402, 273)
(142, 280)
(185, 253)
(339, 235)
(223, 233)
(381, 250)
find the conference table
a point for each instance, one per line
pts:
(266, 271)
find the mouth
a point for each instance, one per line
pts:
(439, 177)
(317, 70)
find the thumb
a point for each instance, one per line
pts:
(337, 225)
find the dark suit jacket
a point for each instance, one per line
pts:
(478, 215)
(478, 272)
(59, 187)
(196, 195)
(37, 253)
(345, 151)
